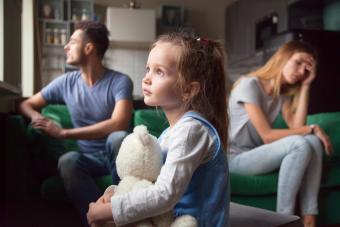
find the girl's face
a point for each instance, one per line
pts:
(159, 82)
(297, 68)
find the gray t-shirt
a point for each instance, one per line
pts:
(89, 105)
(243, 135)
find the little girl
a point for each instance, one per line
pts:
(185, 76)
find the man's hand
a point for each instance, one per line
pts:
(35, 117)
(49, 127)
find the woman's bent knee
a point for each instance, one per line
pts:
(301, 145)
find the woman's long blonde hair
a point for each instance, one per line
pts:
(272, 70)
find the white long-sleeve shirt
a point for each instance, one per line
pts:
(189, 144)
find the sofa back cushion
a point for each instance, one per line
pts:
(154, 120)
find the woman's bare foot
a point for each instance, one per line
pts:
(309, 220)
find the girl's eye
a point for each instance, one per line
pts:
(159, 72)
(147, 69)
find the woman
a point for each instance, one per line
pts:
(281, 85)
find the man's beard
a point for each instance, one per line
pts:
(81, 60)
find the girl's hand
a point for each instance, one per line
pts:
(324, 139)
(99, 213)
(94, 214)
(310, 72)
(106, 197)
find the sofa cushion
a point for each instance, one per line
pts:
(253, 185)
(154, 120)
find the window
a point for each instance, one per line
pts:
(1, 40)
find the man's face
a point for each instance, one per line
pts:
(74, 49)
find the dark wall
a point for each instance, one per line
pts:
(241, 18)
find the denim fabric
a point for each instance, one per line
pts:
(299, 159)
(78, 171)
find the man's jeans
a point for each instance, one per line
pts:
(79, 170)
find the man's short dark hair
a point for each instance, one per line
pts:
(96, 33)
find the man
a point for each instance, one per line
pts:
(99, 101)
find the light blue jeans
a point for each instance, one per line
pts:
(78, 171)
(299, 159)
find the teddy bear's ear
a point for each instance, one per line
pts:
(140, 129)
(142, 134)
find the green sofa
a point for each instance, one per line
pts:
(257, 191)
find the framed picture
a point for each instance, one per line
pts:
(172, 15)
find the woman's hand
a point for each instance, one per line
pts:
(310, 70)
(324, 139)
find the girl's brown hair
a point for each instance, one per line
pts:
(272, 70)
(203, 61)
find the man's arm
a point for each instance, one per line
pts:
(119, 121)
(32, 106)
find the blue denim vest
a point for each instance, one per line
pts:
(207, 196)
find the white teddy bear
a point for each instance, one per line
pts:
(138, 164)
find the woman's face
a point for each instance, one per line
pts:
(297, 68)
